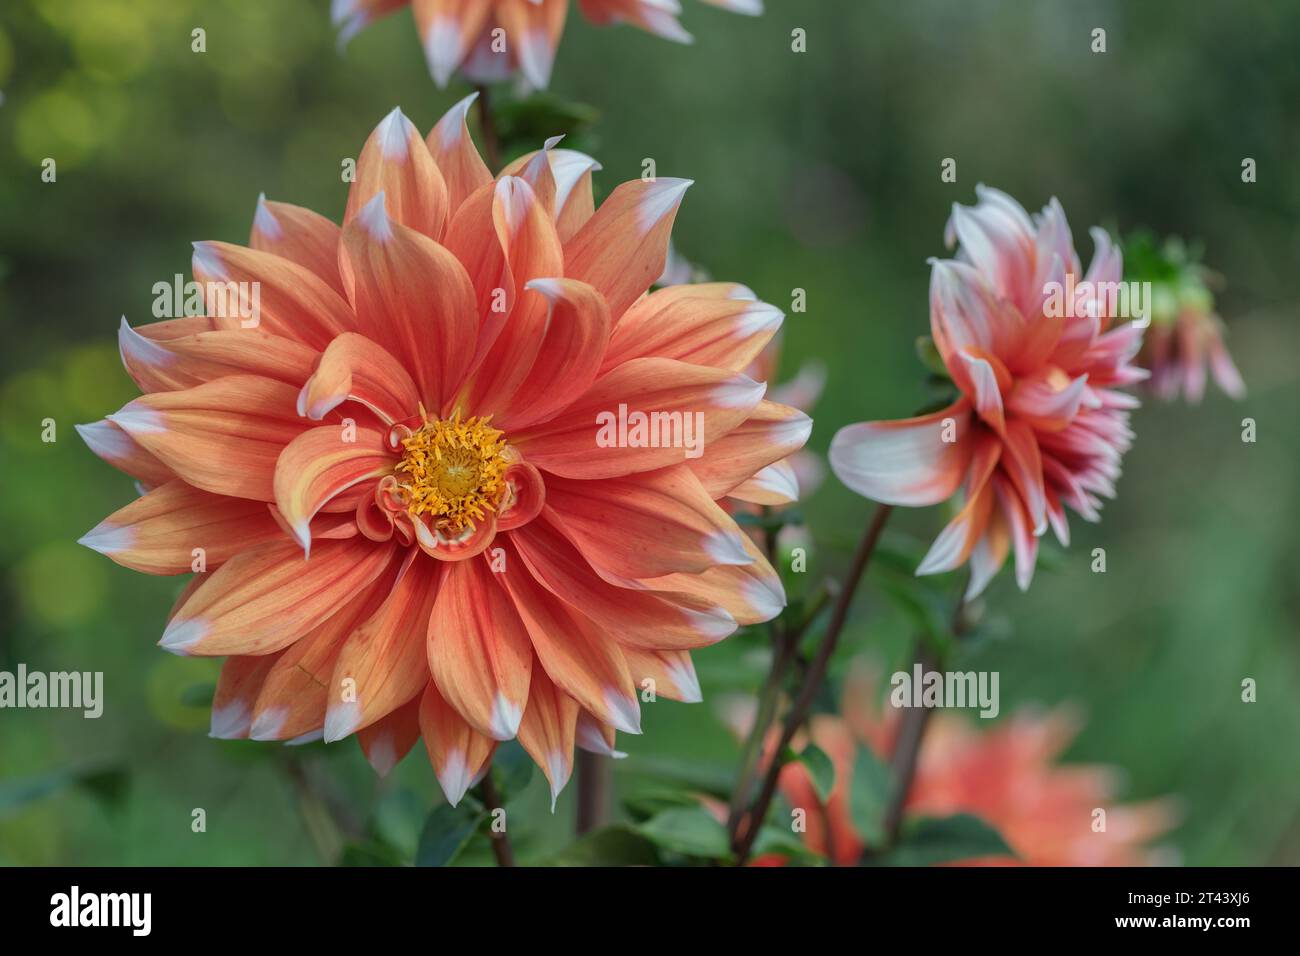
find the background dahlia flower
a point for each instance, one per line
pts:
(458, 34)
(1007, 775)
(1185, 340)
(1039, 423)
(409, 526)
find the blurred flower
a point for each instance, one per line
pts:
(1038, 423)
(1007, 776)
(419, 411)
(462, 34)
(1186, 335)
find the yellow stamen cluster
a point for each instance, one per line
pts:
(454, 470)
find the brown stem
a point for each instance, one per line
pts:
(812, 683)
(911, 732)
(488, 126)
(593, 791)
(501, 847)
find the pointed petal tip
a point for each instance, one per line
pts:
(181, 635)
(229, 722)
(341, 720)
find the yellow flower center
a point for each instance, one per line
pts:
(454, 471)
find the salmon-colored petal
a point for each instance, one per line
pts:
(459, 753)
(986, 391)
(568, 355)
(291, 300)
(574, 201)
(456, 155)
(751, 593)
(646, 414)
(534, 29)
(412, 297)
(266, 598)
(1046, 401)
(478, 650)
(189, 360)
(111, 443)
(473, 238)
(581, 658)
(381, 664)
(598, 738)
(167, 530)
(299, 235)
(645, 526)
(223, 436)
(988, 555)
(621, 249)
(771, 433)
(954, 544)
(548, 729)
(448, 30)
(389, 739)
(1024, 540)
(905, 462)
(666, 673)
(655, 16)
(237, 688)
(641, 618)
(719, 332)
(1022, 463)
(773, 486)
(322, 463)
(532, 250)
(396, 163)
(294, 697)
(354, 367)
(350, 16)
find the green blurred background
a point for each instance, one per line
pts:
(817, 171)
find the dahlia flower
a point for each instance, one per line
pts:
(459, 34)
(1186, 335)
(1038, 423)
(409, 524)
(1007, 776)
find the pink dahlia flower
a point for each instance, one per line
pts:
(1039, 423)
(489, 40)
(398, 488)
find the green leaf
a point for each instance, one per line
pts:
(873, 782)
(688, 830)
(446, 831)
(374, 853)
(618, 845)
(929, 841)
(782, 840)
(820, 768)
(650, 802)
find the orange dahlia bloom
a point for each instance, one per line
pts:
(409, 512)
(1039, 423)
(1007, 776)
(488, 40)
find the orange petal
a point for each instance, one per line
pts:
(639, 617)
(412, 297)
(473, 238)
(569, 351)
(223, 436)
(459, 753)
(646, 414)
(299, 235)
(355, 367)
(716, 331)
(645, 526)
(548, 729)
(381, 665)
(291, 300)
(670, 674)
(775, 485)
(111, 443)
(582, 659)
(237, 688)
(320, 464)
(266, 598)
(457, 157)
(621, 250)
(160, 532)
(771, 433)
(395, 163)
(533, 29)
(295, 695)
(389, 739)
(479, 650)
(751, 593)
(448, 30)
(593, 736)
(189, 360)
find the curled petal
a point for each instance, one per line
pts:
(906, 462)
(395, 163)
(299, 235)
(354, 367)
(458, 159)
